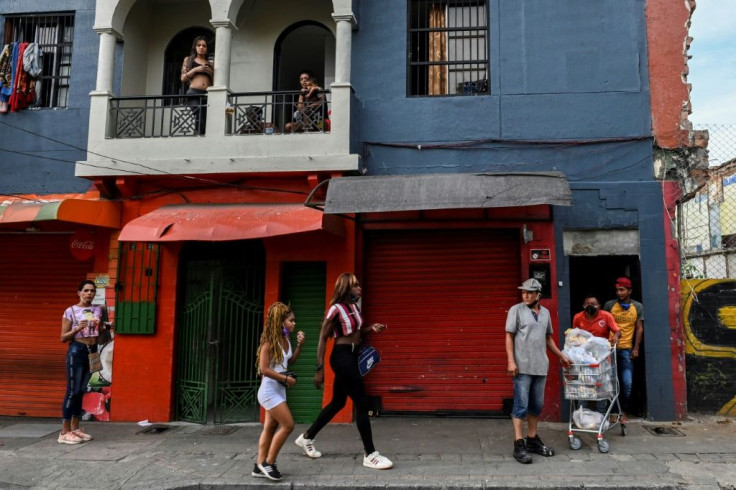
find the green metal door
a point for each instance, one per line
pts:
(304, 289)
(238, 330)
(193, 346)
(219, 328)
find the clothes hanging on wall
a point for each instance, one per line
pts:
(20, 67)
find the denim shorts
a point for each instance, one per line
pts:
(528, 395)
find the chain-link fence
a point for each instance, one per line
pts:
(707, 223)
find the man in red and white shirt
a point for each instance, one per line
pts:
(596, 321)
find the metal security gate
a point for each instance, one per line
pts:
(305, 289)
(219, 329)
(444, 295)
(38, 281)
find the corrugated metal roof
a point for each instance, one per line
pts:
(446, 191)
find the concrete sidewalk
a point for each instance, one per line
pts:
(427, 453)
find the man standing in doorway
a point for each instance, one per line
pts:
(528, 336)
(629, 316)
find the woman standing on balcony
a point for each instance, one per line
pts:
(197, 73)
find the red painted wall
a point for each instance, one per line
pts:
(672, 192)
(667, 38)
(544, 238)
(143, 365)
(143, 369)
(667, 34)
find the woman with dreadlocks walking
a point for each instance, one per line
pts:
(272, 360)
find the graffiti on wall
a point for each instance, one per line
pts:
(709, 319)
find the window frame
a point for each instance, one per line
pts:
(54, 86)
(419, 64)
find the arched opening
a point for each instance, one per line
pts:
(179, 48)
(304, 46)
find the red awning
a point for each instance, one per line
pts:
(222, 222)
(82, 211)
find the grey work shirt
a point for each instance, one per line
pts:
(530, 338)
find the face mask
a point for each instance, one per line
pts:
(591, 310)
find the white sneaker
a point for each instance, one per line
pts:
(377, 462)
(308, 446)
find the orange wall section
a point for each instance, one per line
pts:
(144, 364)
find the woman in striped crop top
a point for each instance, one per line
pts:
(343, 321)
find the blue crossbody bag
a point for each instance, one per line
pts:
(367, 359)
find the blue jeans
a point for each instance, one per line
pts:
(77, 377)
(528, 395)
(625, 368)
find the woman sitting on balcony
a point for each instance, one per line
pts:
(309, 109)
(197, 73)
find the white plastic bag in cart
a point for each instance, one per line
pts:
(575, 337)
(578, 355)
(597, 347)
(584, 418)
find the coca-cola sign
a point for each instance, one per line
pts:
(82, 245)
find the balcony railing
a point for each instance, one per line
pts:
(158, 116)
(248, 113)
(277, 113)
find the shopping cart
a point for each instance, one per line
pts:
(594, 383)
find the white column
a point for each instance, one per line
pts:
(343, 47)
(106, 60)
(223, 39)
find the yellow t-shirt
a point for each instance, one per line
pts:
(626, 320)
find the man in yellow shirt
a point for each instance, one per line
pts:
(629, 316)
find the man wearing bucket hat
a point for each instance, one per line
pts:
(629, 316)
(528, 336)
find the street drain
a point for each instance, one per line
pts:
(221, 430)
(155, 429)
(657, 430)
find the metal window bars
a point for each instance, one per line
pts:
(54, 34)
(448, 47)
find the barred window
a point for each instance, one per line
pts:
(448, 43)
(54, 34)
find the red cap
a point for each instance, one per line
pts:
(623, 282)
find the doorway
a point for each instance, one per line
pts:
(219, 327)
(596, 275)
(304, 46)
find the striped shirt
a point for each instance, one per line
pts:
(345, 319)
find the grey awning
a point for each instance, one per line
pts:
(446, 191)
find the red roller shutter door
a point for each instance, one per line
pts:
(444, 295)
(38, 281)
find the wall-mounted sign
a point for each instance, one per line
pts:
(540, 254)
(82, 245)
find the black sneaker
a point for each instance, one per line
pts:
(535, 445)
(257, 473)
(269, 471)
(520, 453)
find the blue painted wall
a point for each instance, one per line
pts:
(39, 147)
(569, 92)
